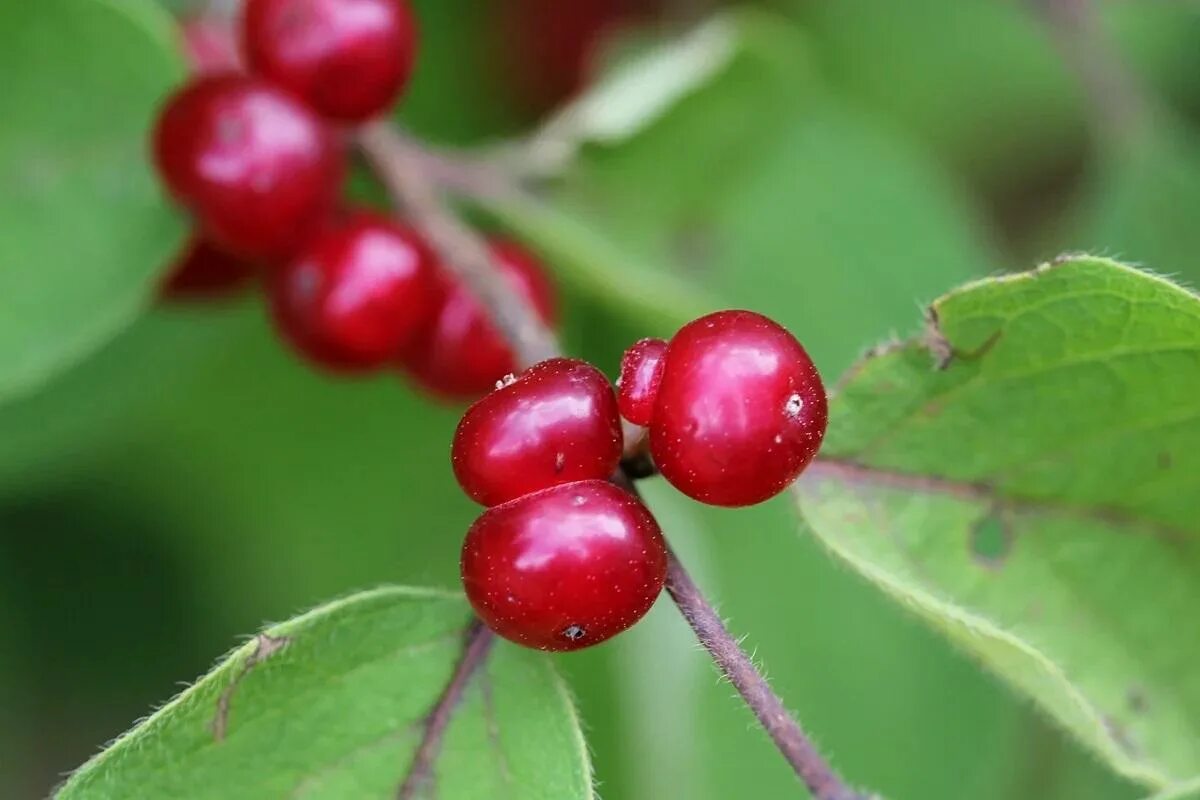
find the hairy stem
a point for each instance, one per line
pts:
(796, 747)
(476, 645)
(405, 170)
(738, 668)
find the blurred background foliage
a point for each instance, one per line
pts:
(849, 161)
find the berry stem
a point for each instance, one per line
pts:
(733, 662)
(400, 164)
(738, 668)
(477, 644)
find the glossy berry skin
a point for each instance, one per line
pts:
(256, 168)
(741, 410)
(206, 272)
(347, 59)
(462, 355)
(641, 373)
(356, 294)
(555, 423)
(564, 568)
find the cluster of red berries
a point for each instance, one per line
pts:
(562, 559)
(254, 147)
(731, 410)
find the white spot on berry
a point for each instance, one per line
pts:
(794, 405)
(574, 633)
(507, 380)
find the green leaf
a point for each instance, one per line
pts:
(639, 90)
(1025, 476)
(236, 469)
(814, 212)
(1187, 791)
(330, 704)
(83, 228)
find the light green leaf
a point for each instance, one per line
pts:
(83, 227)
(1027, 477)
(330, 704)
(1187, 791)
(639, 91)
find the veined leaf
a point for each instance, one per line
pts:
(330, 705)
(1026, 477)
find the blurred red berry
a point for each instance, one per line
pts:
(348, 59)
(546, 47)
(256, 168)
(353, 296)
(462, 355)
(204, 271)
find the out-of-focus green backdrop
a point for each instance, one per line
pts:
(192, 480)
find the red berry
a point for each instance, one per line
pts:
(641, 373)
(556, 423)
(740, 412)
(566, 567)
(209, 45)
(355, 294)
(204, 271)
(257, 168)
(462, 355)
(348, 59)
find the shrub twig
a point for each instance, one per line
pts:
(402, 166)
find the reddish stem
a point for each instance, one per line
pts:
(399, 163)
(476, 645)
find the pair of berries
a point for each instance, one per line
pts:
(367, 293)
(254, 155)
(563, 559)
(734, 407)
(256, 159)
